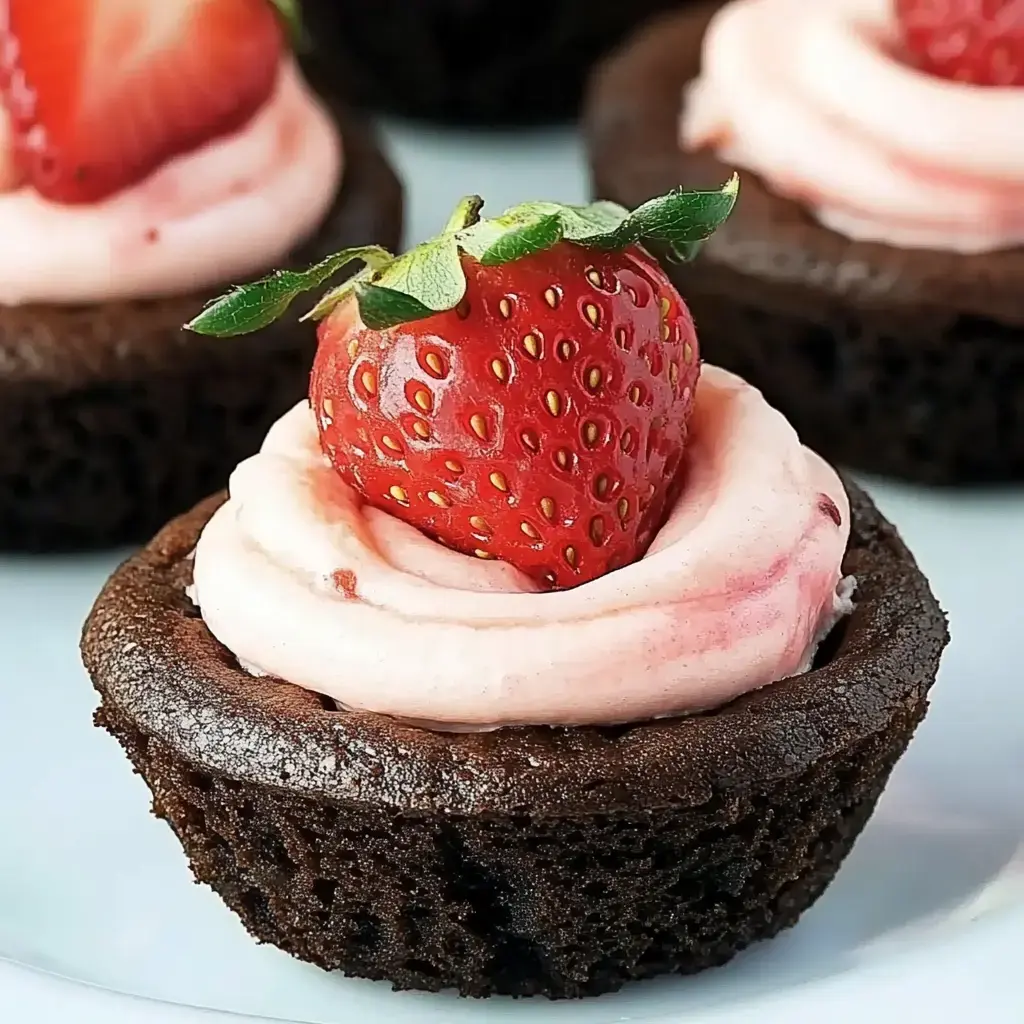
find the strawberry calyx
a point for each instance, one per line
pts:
(391, 290)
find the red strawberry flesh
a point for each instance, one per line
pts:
(543, 422)
(979, 42)
(103, 92)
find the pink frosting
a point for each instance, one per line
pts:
(301, 581)
(811, 97)
(223, 212)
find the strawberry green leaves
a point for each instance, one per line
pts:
(253, 306)
(380, 308)
(430, 278)
(430, 275)
(390, 290)
(678, 222)
(531, 227)
(517, 240)
(426, 280)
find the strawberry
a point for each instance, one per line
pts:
(541, 423)
(102, 92)
(980, 42)
(517, 388)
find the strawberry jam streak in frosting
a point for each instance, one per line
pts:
(223, 212)
(301, 581)
(812, 97)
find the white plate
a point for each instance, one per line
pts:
(927, 916)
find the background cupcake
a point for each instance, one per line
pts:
(207, 159)
(471, 61)
(871, 281)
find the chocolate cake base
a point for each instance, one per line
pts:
(112, 418)
(481, 62)
(908, 363)
(529, 861)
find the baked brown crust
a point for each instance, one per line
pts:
(525, 861)
(112, 418)
(896, 361)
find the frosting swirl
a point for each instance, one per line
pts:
(812, 98)
(301, 581)
(223, 212)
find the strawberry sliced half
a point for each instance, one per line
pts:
(103, 92)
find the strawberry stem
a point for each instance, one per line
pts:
(465, 215)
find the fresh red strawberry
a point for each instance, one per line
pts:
(102, 92)
(518, 388)
(542, 422)
(976, 41)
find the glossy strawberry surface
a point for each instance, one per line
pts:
(542, 422)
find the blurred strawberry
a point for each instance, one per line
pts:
(102, 92)
(980, 42)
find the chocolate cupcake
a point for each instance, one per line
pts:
(577, 692)
(112, 417)
(561, 862)
(471, 61)
(871, 280)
